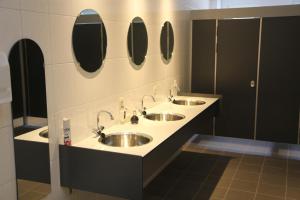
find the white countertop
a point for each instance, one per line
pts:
(34, 136)
(158, 130)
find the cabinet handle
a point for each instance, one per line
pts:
(252, 83)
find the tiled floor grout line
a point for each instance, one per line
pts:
(260, 176)
(210, 171)
(237, 168)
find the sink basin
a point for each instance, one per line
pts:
(44, 133)
(188, 102)
(164, 117)
(126, 139)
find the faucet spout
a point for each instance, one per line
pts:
(143, 107)
(99, 127)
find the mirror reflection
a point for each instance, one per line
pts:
(89, 40)
(29, 110)
(167, 41)
(137, 41)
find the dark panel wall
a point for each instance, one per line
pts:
(203, 64)
(279, 92)
(203, 59)
(238, 42)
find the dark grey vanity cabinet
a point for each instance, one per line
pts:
(203, 63)
(237, 52)
(279, 82)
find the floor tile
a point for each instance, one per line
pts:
(238, 195)
(250, 168)
(294, 164)
(217, 181)
(273, 179)
(183, 190)
(223, 172)
(159, 186)
(31, 196)
(253, 160)
(206, 193)
(246, 176)
(293, 182)
(275, 162)
(244, 185)
(274, 170)
(271, 190)
(293, 193)
(265, 197)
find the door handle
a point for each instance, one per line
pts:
(252, 83)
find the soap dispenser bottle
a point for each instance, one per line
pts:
(175, 88)
(134, 119)
(122, 111)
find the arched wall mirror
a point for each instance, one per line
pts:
(29, 110)
(167, 41)
(137, 41)
(89, 40)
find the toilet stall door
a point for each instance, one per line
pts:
(237, 60)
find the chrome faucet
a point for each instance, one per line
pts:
(143, 107)
(100, 128)
(170, 97)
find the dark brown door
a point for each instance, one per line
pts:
(237, 55)
(279, 83)
(203, 64)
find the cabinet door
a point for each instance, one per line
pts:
(203, 63)
(237, 54)
(279, 83)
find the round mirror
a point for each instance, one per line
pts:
(167, 41)
(89, 40)
(137, 41)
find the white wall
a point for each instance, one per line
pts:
(75, 94)
(7, 169)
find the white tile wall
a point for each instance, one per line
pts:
(10, 28)
(7, 171)
(14, 4)
(6, 153)
(35, 5)
(5, 115)
(61, 41)
(8, 191)
(73, 93)
(35, 26)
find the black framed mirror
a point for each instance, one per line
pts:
(89, 40)
(29, 111)
(167, 41)
(137, 41)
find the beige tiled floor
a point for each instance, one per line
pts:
(29, 190)
(230, 169)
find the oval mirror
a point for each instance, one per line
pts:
(167, 41)
(89, 40)
(29, 117)
(137, 41)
